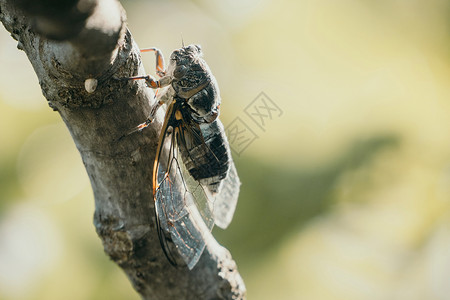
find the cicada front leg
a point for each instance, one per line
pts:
(151, 82)
(160, 71)
(160, 66)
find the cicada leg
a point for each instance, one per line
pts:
(151, 82)
(160, 71)
(155, 84)
(160, 66)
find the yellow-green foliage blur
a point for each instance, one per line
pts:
(345, 189)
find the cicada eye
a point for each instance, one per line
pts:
(191, 48)
(179, 71)
(174, 55)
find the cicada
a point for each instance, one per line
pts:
(195, 183)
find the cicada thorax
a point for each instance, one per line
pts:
(194, 82)
(190, 78)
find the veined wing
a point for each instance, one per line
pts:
(221, 178)
(182, 204)
(224, 187)
(207, 156)
(225, 201)
(195, 182)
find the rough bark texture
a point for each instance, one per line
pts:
(68, 42)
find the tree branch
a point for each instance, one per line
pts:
(93, 42)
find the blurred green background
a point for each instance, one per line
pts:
(344, 196)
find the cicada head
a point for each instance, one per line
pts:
(189, 71)
(183, 59)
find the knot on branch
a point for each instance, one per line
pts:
(123, 244)
(117, 242)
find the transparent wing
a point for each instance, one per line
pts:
(195, 183)
(225, 201)
(206, 150)
(182, 204)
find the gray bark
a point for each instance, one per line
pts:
(68, 42)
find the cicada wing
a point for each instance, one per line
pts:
(207, 156)
(181, 203)
(225, 185)
(225, 201)
(194, 154)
